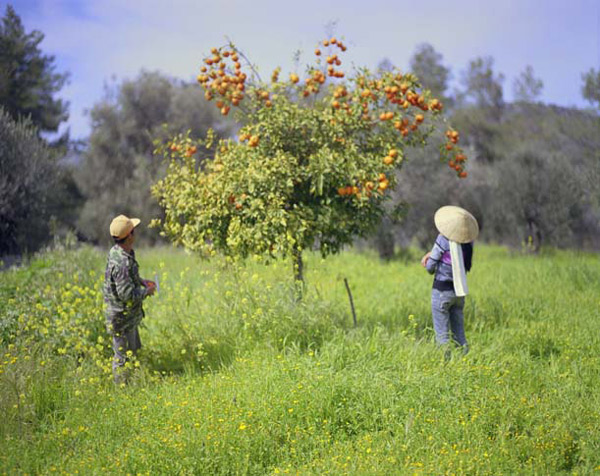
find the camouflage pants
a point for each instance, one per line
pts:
(122, 343)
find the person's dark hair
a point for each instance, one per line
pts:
(467, 250)
(120, 241)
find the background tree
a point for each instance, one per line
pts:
(313, 163)
(385, 65)
(29, 186)
(527, 87)
(427, 64)
(538, 176)
(554, 152)
(591, 87)
(480, 106)
(28, 88)
(423, 187)
(407, 217)
(528, 200)
(28, 80)
(118, 166)
(483, 87)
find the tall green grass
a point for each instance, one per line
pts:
(238, 377)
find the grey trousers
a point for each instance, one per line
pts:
(448, 317)
(123, 342)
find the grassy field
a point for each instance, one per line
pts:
(238, 378)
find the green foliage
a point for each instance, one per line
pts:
(248, 390)
(483, 87)
(527, 87)
(29, 186)
(311, 167)
(535, 187)
(547, 158)
(422, 188)
(591, 87)
(39, 196)
(533, 180)
(118, 166)
(28, 81)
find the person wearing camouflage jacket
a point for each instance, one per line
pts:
(124, 292)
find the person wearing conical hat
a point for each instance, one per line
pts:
(449, 260)
(124, 292)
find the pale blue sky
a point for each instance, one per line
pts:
(98, 39)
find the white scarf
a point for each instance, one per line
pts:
(458, 269)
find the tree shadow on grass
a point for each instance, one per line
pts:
(210, 356)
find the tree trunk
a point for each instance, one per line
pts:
(384, 239)
(535, 235)
(298, 264)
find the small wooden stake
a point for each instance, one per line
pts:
(351, 301)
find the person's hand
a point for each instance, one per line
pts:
(150, 287)
(425, 258)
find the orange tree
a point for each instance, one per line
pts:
(313, 163)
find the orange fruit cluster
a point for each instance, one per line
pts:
(417, 100)
(457, 161)
(313, 82)
(331, 71)
(367, 94)
(333, 60)
(275, 75)
(217, 80)
(346, 191)
(404, 126)
(264, 96)
(452, 136)
(383, 183)
(335, 42)
(367, 188)
(317, 77)
(191, 150)
(237, 204)
(252, 140)
(390, 158)
(397, 90)
(340, 93)
(436, 105)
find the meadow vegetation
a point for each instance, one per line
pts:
(238, 377)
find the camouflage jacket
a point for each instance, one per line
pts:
(123, 291)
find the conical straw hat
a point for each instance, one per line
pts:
(456, 224)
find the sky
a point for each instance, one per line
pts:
(103, 41)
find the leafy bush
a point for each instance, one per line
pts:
(29, 176)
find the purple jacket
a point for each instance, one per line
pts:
(439, 261)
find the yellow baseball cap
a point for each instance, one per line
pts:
(121, 226)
